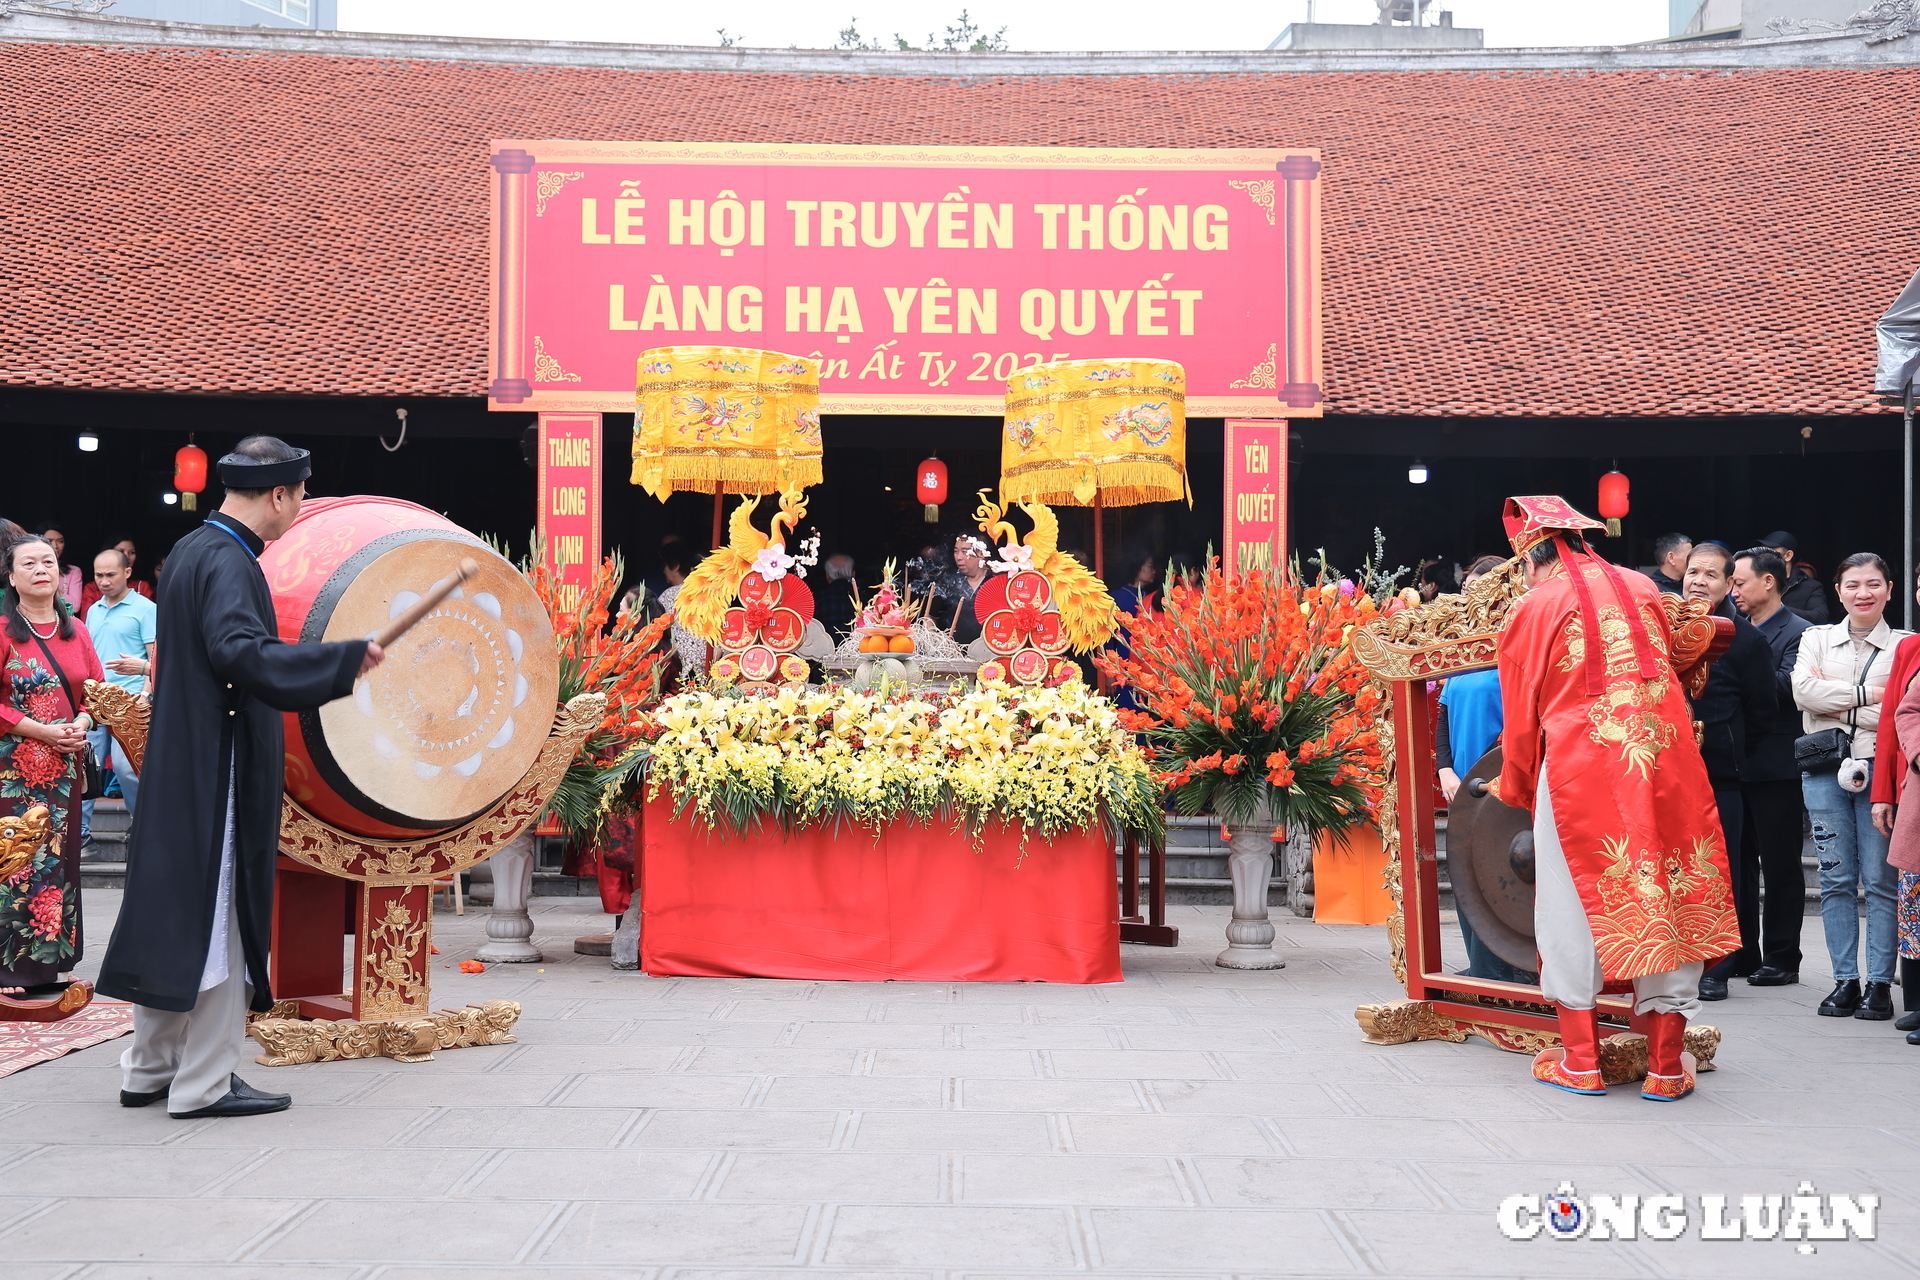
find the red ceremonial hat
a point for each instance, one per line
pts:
(1531, 521)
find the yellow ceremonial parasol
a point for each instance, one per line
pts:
(725, 420)
(1096, 433)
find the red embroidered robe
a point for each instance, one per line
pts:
(1635, 812)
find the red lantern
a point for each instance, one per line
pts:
(190, 474)
(931, 485)
(1613, 501)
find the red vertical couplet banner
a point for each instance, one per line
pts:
(1255, 504)
(569, 494)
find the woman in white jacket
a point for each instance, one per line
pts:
(1839, 680)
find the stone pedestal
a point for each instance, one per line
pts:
(509, 926)
(1250, 933)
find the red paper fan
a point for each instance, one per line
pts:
(797, 596)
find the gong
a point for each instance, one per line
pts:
(1490, 861)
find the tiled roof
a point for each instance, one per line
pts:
(1604, 243)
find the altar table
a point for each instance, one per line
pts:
(916, 903)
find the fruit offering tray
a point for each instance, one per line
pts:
(933, 649)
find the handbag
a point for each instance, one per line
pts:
(93, 784)
(1822, 752)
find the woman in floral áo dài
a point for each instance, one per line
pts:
(40, 936)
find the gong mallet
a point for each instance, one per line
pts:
(426, 604)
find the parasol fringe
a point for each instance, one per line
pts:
(665, 474)
(1121, 484)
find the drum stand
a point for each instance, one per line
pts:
(330, 885)
(1451, 636)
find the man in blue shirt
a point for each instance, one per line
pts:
(121, 622)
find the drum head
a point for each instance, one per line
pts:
(1490, 861)
(455, 716)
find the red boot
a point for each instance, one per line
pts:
(1669, 1070)
(1575, 1065)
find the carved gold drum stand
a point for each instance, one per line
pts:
(330, 885)
(1449, 636)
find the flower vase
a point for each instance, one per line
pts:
(1250, 932)
(509, 926)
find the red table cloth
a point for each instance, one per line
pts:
(918, 903)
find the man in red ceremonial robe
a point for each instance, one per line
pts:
(1630, 870)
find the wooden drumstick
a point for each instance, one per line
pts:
(424, 605)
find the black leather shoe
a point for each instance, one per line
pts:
(140, 1099)
(1844, 1000)
(235, 1105)
(1876, 1002)
(241, 1089)
(1914, 1038)
(1909, 1021)
(1768, 976)
(1713, 988)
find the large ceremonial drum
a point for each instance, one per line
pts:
(455, 716)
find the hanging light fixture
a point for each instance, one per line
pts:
(1417, 473)
(169, 498)
(1613, 503)
(190, 474)
(931, 486)
(89, 442)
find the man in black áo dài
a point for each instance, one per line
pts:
(190, 947)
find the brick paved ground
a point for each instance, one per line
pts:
(1188, 1123)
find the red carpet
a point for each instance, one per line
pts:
(22, 1044)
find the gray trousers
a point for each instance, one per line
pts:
(1569, 964)
(196, 1053)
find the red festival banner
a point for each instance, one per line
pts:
(1255, 498)
(568, 527)
(920, 277)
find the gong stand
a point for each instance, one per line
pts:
(331, 884)
(1449, 636)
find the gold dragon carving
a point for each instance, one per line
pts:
(1451, 634)
(391, 985)
(307, 839)
(124, 715)
(22, 835)
(1447, 635)
(292, 1041)
(1623, 1056)
(1390, 840)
